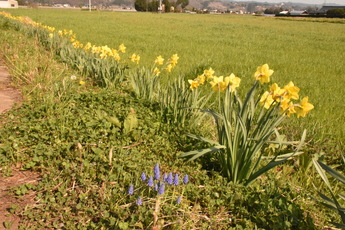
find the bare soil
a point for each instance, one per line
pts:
(10, 205)
(8, 95)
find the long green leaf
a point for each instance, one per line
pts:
(321, 173)
(264, 169)
(198, 153)
(203, 139)
(332, 172)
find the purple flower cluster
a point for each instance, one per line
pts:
(159, 185)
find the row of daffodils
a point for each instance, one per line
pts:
(285, 96)
(243, 128)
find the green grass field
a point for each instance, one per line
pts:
(311, 54)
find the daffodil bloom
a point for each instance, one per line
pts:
(292, 91)
(116, 56)
(209, 73)
(266, 100)
(304, 107)
(60, 33)
(135, 58)
(263, 74)
(156, 71)
(193, 84)
(159, 60)
(122, 48)
(218, 84)
(277, 92)
(233, 81)
(173, 60)
(287, 107)
(201, 78)
(103, 55)
(51, 35)
(87, 46)
(169, 68)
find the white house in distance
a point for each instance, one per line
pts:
(8, 4)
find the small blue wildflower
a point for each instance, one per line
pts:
(139, 201)
(143, 176)
(176, 179)
(179, 198)
(185, 179)
(131, 190)
(165, 177)
(161, 189)
(156, 187)
(170, 179)
(157, 173)
(150, 182)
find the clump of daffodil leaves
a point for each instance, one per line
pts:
(245, 127)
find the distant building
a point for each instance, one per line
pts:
(8, 4)
(297, 13)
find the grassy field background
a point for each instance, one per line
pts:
(309, 53)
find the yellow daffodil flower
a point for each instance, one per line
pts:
(193, 84)
(263, 74)
(233, 81)
(173, 60)
(304, 107)
(156, 71)
(218, 84)
(201, 78)
(122, 48)
(60, 33)
(266, 100)
(135, 58)
(277, 92)
(292, 91)
(159, 60)
(209, 73)
(87, 46)
(51, 35)
(287, 107)
(169, 68)
(116, 56)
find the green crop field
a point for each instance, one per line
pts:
(107, 136)
(311, 54)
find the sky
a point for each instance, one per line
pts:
(316, 2)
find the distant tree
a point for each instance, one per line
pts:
(167, 5)
(153, 6)
(273, 10)
(183, 3)
(336, 13)
(140, 5)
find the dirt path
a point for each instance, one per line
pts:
(8, 95)
(10, 205)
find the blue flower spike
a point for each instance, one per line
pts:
(150, 182)
(157, 173)
(161, 189)
(176, 179)
(165, 177)
(185, 179)
(170, 179)
(131, 190)
(143, 177)
(139, 201)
